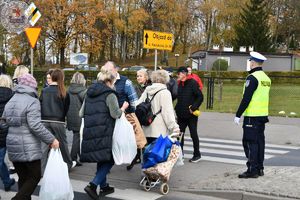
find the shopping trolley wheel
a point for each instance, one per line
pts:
(164, 188)
(146, 185)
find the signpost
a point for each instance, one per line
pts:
(32, 34)
(158, 40)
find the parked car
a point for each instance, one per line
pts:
(68, 69)
(136, 68)
(86, 67)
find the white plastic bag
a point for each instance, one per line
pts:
(81, 133)
(124, 147)
(56, 183)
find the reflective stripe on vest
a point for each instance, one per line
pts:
(259, 104)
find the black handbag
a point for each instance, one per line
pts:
(3, 132)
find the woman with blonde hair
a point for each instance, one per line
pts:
(5, 94)
(76, 91)
(143, 80)
(101, 109)
(19, 71)
(55, 103)
(165, 122)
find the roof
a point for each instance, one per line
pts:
(202, 54)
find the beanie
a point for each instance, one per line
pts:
(28, 80)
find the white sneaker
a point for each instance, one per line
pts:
(73, 164)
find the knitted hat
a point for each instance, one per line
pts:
(28, 80)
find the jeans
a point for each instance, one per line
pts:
(4, 173)
(102, 171)
(29, 176)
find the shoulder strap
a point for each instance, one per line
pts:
(155, 94)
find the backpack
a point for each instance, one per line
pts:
(144, 111)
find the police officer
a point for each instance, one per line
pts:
(254, 107)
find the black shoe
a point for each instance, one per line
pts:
(195, 159)
(261, 172)
(129, 167)
(91, 190)
(106, 190)
(78, 164)
(7, 188)
(248, 175)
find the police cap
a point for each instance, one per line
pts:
(257, 57)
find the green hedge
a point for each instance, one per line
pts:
(277, 77)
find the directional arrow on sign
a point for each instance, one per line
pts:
(146, 36)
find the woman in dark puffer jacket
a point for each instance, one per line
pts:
(5, 94)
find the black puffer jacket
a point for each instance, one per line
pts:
(189, 94)
(98, 126)
(5, 95)
(77, 94)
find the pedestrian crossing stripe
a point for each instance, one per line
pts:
(229, 151)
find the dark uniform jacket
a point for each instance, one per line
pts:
(189, 94)
(98, 126)
(77, 94)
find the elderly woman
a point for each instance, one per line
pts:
(165, 122)
(19, 71)
(5, 94)
(76, 91)
(101, 109)
(143, 80)
(23, 116)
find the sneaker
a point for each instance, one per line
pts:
(78, 164)
(91, 190)
(7, 188)
(106, 190)
(74, 163)
(195, 159)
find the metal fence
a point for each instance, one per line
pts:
(225, 94)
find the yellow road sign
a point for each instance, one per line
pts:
(33, 35)
(158, 40)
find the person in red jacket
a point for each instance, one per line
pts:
(195, 77)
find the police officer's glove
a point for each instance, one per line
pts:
(236, 120)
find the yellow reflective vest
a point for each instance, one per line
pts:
(259, 104)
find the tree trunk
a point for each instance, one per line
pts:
(62, 57)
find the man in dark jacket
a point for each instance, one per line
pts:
(189, 99)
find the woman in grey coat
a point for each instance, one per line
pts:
(76, 91)
(23, 116)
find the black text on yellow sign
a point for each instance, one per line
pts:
(158, 40)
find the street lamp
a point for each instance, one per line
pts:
(176, 55)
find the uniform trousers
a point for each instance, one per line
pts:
(254, 144)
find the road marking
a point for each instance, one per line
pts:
(219, 159)
(222, 152)
(205, 144)
(229, 151)
(240, 143)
